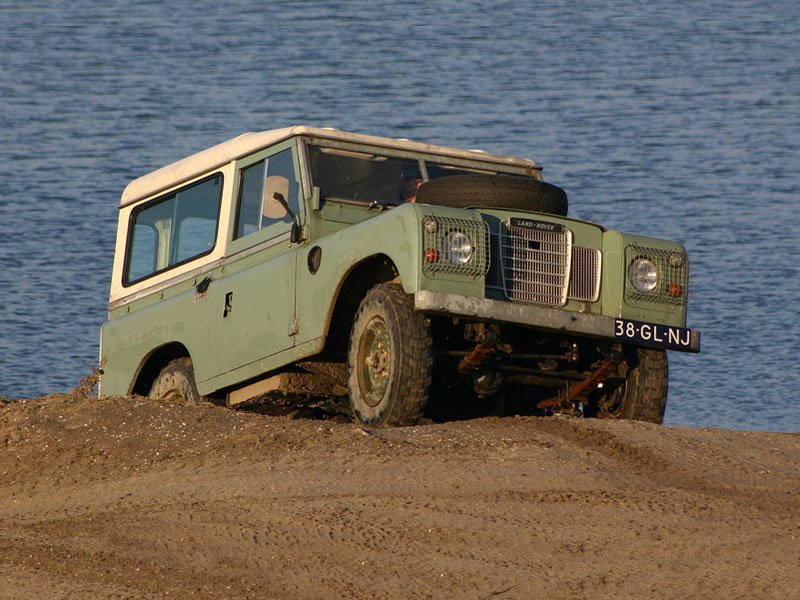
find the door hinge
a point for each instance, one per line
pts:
(294, 327)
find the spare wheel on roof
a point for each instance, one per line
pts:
(495, 191)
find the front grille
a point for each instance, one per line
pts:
(584, 278)
(536, 262)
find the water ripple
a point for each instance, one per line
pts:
(678, 121)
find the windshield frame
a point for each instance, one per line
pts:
(442, 160)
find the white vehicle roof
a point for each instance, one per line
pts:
(247, 143)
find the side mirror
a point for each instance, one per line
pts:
(295, 238)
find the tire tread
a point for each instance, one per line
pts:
(501, 191)
(407, 400)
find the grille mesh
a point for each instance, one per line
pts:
(542, 267)
(536, 264)
(584, 279)
(668, 275)
(476, 231)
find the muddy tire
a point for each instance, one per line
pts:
(643, 396)
(495, 191)
(176, 382)
(389, 359)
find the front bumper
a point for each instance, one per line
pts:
(538, 317)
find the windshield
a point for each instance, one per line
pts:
(361, 176)
(368, 177)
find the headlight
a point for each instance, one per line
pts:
(643, 275)
(457, 247)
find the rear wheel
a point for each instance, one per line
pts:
(389, 360)
(643, 394)
(176, 382)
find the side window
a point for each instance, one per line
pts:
(173, 229)
(143, 252)
(258, 208)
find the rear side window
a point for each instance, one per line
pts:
(173, 229)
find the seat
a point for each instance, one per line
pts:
(271, 209)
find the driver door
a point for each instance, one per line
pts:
(253, 299)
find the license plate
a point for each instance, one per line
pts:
(653, 334)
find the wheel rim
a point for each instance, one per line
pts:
(374, 361)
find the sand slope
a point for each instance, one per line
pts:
(133, 498)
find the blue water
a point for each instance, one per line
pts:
(679, 120)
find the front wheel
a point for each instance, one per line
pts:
(643, 394)
(389, 359)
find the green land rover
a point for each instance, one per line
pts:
(394, 272)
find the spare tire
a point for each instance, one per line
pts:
(494, 191)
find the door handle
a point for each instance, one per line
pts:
(228, 304)
(202, 287)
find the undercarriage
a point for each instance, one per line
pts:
(516, 370)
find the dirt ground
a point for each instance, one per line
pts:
(134, 498)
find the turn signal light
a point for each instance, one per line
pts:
(431, 255)
(675, 290)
